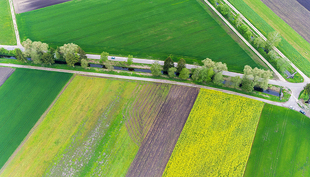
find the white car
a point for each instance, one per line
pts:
(291, 107)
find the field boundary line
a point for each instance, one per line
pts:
(246, 42)
(306, 79)
(35, 126)
(15, 23)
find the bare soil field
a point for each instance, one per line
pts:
(293, 13)
(305, 3)
(5, 73)
(21, 6)
(159, 142)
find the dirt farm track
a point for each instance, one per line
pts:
(293, 13)
(29, 5)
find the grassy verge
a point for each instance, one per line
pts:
(136, 74)
(293, 45)
(7, 35)
(216, 141)
(281, 144)
(24, 98)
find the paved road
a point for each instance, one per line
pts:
(306, 79)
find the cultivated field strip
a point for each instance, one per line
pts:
(24, 98)
(146, 30)
(217, 137)
(158, 144)
(5, 73)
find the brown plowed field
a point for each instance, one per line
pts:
(5, 73)
(293, 13)
(159, 142)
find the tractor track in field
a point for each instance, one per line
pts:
(35, 126)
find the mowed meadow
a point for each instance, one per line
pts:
(7, 35)
(145, 29)
(25, 96)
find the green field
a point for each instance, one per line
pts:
(293, 45)
(282, 144)
(144, 29)
(24, 98)
(91, 130)
(7, 35)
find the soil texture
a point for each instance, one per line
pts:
(159, 142)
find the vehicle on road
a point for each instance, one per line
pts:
(303, 112)
(113, 58)
(292, 108)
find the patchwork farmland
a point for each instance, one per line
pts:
(108, 127)
(24, 98)
(144, 29)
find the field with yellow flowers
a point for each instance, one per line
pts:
(217, 137)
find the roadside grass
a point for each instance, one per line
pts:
(217, 137)
(281, 145)
(7, 35)
(293, 45)
(139, 74)
(142, 29)
(24, 98)
(85, 133)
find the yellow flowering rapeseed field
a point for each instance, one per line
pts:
(217, 137)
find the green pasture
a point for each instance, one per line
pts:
(146, 29)
(7, 34)
(24, 98)
(293, 45)
(282, 144)
(85, 133)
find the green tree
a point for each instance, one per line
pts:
(181, 65)
(84, 63)
(307, 91)
(82, 54)
(47, 58)
(218, 78)
(130, 60)
(71, 59)
(108, 65)
(236, 81)
(104, 57)
(184, 74)
(20, 56)
(196, 74)
(36, 57)
(208, 63)
(238, 20)
(273, 40)
(259, 42)
(58, 54)
(171, 72)
(168, 64)
(243, 29)
(273, 55)
(156, 69)
(220, 67)
(247, 84)
(248, 34)
(223, 9)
